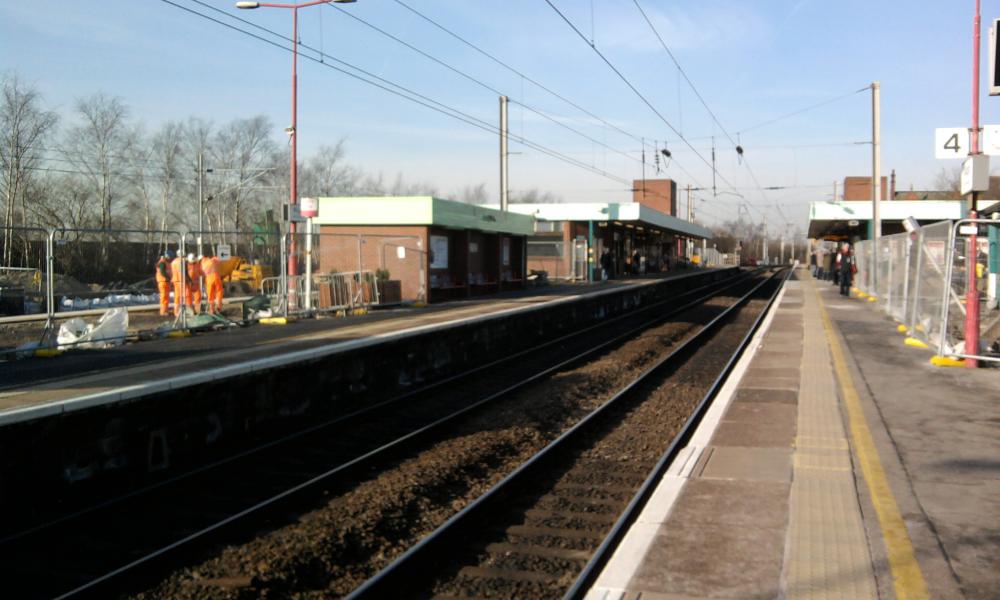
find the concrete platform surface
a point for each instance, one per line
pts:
(838, 463)
(30, 387)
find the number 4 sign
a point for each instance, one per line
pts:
(951, 142)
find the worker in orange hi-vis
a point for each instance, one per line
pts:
(177, 277)
(213, 282)
(194, 283)
(163, 281)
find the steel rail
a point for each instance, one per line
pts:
(384, 405)
(628, 518)
(107, 581)
(396, 578)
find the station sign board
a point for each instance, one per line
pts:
(955, 142)
(309, 207)
(975, 174)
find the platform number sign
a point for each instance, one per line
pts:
(951, 142)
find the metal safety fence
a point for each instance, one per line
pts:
(55, 283)
(922, 282)
(969, 250)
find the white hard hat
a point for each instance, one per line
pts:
(190, 257)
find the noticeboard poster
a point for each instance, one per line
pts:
(506, 252)
(439, 252)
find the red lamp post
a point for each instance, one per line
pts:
(292, 131)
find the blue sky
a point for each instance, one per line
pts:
(751, 60)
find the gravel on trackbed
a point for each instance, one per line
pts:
(331, 550)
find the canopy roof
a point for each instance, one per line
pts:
(612, 211)
(420, 210)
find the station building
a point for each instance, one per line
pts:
(643, 235)
(437, 249)
(564, 233)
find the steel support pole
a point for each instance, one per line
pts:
(591, 262)
(971, 251)
(876, 183)
(308, 282)
(201, 198)
(503, 154)
(50, 288)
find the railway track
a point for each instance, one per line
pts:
(547, 529)
(127, 542)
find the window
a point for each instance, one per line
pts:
(548, 226)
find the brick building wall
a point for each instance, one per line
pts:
(860, 188)
(338, 251)
(658, 194)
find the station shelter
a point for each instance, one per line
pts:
(637, 238)
(437, 249)
(852, 221)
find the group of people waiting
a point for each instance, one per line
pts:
(187, 280)
(837, 265)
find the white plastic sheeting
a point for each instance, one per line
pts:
(108, 331)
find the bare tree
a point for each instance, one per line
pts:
(245, 150)
(473, 194)
(948, 180)
(534, 195)
(167, 152)
(98, 145)
(197, 141)
(24, 126)
(325, 174)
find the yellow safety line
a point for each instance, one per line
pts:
(908, 580)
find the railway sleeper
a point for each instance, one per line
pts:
(533, 563)
(598, 491)
(536, 550)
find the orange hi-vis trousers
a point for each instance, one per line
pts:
(164, 288)
(213, 287)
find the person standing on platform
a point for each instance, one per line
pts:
(213, 282)
(847, 269)
(195, 274)
(837, 265)
(178, 277)
(163, 281)
(605, 264)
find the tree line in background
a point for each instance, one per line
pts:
(100, 168)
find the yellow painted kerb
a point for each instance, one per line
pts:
(908, 580)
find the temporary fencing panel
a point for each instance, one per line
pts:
(23, 271)
(952, 337)
(101, 269)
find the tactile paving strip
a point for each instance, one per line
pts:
(828, 556)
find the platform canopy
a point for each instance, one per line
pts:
(630, 212)
(420, 210)
(851, 219)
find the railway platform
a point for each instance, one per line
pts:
(40, 386)
(836, 463)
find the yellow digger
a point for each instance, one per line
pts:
(243, 277)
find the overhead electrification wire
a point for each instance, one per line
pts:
(636, 91)
(803, 110)
(527, 78)
(531, 80)
(390, 87)
(680, 69)
(469, 77)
